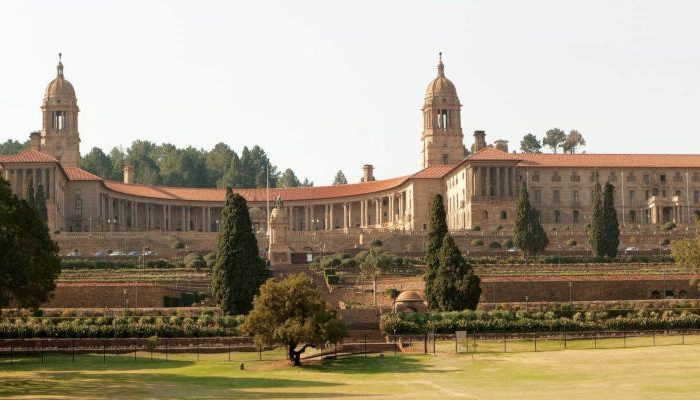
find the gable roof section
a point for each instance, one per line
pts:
(27, 156)
(589, 160)
(77, 174)
(434, 172)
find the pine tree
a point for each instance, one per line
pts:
(238, 271)
(455, 287)
(528, 233)
(340, 178)
(596, 235)
(611, 226)
(40, 201)
(436, 235)
(29, 263)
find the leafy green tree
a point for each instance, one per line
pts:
(455, 287)
(574, 140)
(98, 163)
(554, 138)
(239, 271)
(340, 178)
(117, 157)
(142, 155)
(686, 252)
(40, 204)
(375, 262)
(597, 234)
(289, 179)
(218, 162)
(307, 183)
(611, 226)
(436, 235)
(292, 313)
(31, 195)
(530, 144)
(13, 147)
(528, 233)
(29, 263)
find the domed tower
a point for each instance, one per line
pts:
(59, 133)
(442, 125)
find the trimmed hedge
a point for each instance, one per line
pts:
(120, 327)
(521, 321)
(109, 264)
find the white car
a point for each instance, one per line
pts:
(631, 249)
(133, 253)
(117, 254)
(74, 253)
(513, 250)
(150, 253)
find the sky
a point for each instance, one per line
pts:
(329, 85)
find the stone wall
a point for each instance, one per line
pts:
(96, 295)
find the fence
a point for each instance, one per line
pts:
(471, 342)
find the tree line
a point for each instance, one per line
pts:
(555, 139)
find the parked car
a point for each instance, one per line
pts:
(150, 253)
(100, 254)
(512, 250)
(133, 253)
(74, 253)
(117, 254)
(631, 249)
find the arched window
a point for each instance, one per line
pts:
(576, 216)
(632, 216)
(486, 214)
(557, 216)
(78, 205)
(504, 214)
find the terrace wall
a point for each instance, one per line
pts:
(94, 295)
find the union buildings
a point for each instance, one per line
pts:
(478, 190)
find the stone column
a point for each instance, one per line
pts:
(332, 226)
(325, 217)
(45, 181)
(23, 190)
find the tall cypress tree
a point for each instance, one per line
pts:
(596, 235)
(436, 234)
(40, 201)
(31, 196)
(611, 226)
(239, 270)
(455, 286)
(528, 233)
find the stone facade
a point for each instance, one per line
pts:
(479, 190)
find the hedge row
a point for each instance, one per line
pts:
(632, 259)
(491, 323)
(121, 327)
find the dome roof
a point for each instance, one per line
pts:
(409, 295)
(441, 86)
(59, 87)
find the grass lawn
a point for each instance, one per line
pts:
(668, 372)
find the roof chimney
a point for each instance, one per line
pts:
(367, 173)
(129, 174)
(501, 145)
(479, 140)
(35, 141)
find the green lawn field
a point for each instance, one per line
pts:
(667, 372)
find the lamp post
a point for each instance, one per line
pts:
(90, 227)
(527, 307)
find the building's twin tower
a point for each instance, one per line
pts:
(59, 136)
(442, 125)
(442, 130)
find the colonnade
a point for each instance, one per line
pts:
(493, 181)
(21, 177)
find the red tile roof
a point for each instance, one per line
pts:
(287, 194)
(77, 174)
(28, 156)
(436, 171)
(590, 160)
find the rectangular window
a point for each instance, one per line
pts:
(536, 178)
(574, 196)
(696, 177)
(631, 197)
(646, 179)
(678, 193)
(662, 178)
(696, 196)
(555, 196)
(646, 194)
(538, 196)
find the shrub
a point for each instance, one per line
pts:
(664, 242)
(494, 245)
(508, 244)
(195, 260)
(393, 293)
(669, 226)
(476, 228)
(332, 279)
(572, 243)
(477, 242)
(178, 245)
(376, 243)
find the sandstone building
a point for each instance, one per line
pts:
(478, 190)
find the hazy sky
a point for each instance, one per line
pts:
(331, 85)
